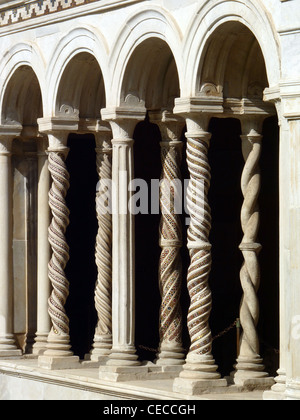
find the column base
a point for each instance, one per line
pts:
(101, 351)
(40, 345)
(170, 354)
(292, 392)
(8, 347)
(123, 373)
(199, 374)
(278, 390)
(59, 363)
(58, 355)
(123, 358)
(7, 354)
(249, 372)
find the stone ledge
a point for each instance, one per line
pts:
(23, 379)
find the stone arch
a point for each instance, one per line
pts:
(232, 65)
(84, 52)
(208, 20)
(22, 91)
(153, 34)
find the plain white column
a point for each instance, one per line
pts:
(277, 391)
(8, 346)
(123, 361)
(293, 323)
(43, 249)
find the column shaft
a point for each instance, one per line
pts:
(103, 293)
(7, 343)
(43, 250)
(293, 290)
(123, 351)
(58, 354)
(249, 368)
(200, 370)
(171, 352)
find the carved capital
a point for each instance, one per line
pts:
(6, 145)
(123, 121)
(170, 125)
(7, 135)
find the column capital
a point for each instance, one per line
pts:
(7, 135)
(103, 137)
(170, 125)
(58, 130)
(252, 125)
(199, 105)
(123, 120)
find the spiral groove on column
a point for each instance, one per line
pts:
(60, 248)
(250, 271)
(198, 237)
(170, 267)
(103, 298)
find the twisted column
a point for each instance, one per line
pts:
(200, 369)
(8, 346)
(103, 292)
(43, 250)
(249, 364)
(170, 264)
(58, 344)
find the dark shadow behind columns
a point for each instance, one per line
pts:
(81, 234)
(148, 166)
(226, 199)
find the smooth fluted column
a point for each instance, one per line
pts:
(250, 368)
(123, 352)
(8, 346)
(58, 354)
(123, 361)
(43, 250)
(171, 351)
(103, 292)
(200, 370)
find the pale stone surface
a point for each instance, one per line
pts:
(56, 59)
(25, 381)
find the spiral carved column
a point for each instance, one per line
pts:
(103, 293)
(43, 250)
(58, 354)
(200, 370)
(249, 364)
(170, 265)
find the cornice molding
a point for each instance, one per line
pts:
(14, 18)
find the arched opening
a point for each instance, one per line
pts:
(22, 106)
(231, 79)
(81, 90)
(81, 94)
(232, 65)
(151, 82)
